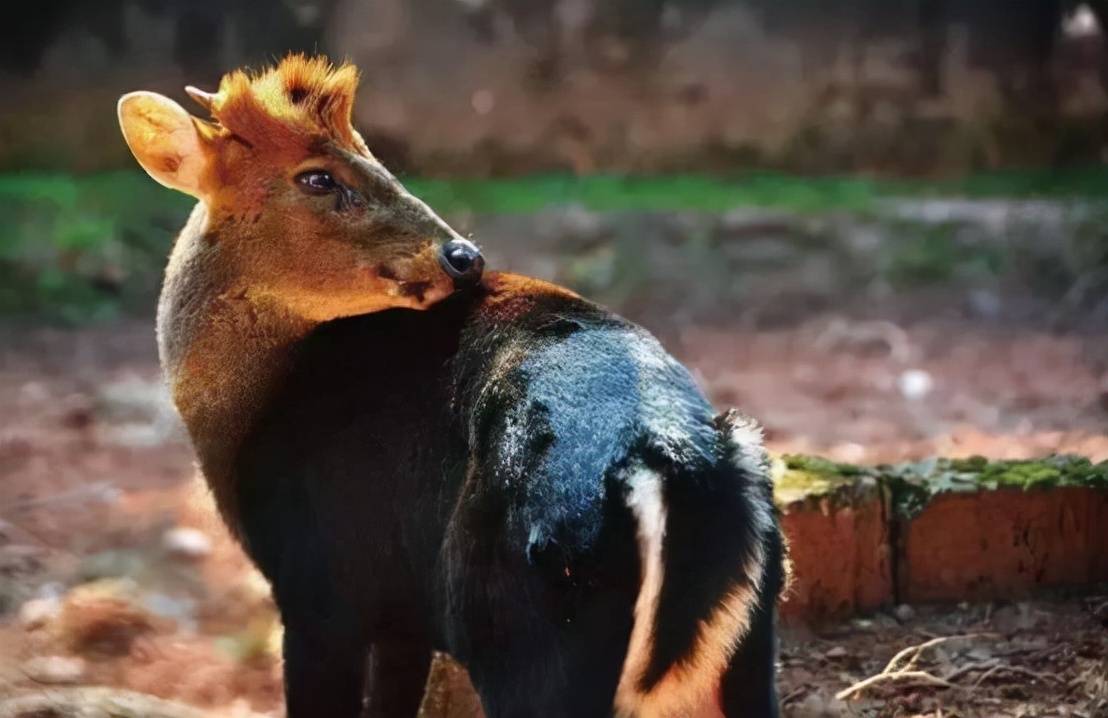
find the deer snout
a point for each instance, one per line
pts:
(461, 259)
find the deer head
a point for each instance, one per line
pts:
(298, 209)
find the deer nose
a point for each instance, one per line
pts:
(462, 260)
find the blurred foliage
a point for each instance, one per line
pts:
(758, 189)
(932, 254)
(1077, 182)
(81, 248)
(669, 192)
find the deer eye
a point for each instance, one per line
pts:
(316, 182)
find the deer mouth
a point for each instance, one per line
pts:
(419, 281)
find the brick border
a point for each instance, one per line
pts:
(946, 530)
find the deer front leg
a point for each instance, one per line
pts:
(398, 669)
(324, 671)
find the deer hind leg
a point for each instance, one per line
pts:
(543, 623)
(749, 685)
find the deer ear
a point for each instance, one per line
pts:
(165, 140)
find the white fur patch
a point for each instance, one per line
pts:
(692, 684)
(746, 443)
(646, 503)
(749, 455)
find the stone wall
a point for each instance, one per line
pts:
(503, 86)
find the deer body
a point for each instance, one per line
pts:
(418, 457)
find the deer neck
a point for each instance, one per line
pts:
(223, 351)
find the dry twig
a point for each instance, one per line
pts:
(909, 656)
(970, 668)
(985, 676)
(902, 675)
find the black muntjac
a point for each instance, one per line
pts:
(420, 455)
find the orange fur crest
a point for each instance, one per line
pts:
(300, 101)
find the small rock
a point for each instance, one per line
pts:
(904, 613)
(186, 542)
(483, 101)
(985, 304)
(836, 652)
(137, 412)
(848, 453)
(133, 398)
(38, 612)
(111, 564)
(180, 610)
(1100, 612)
(449, 691)
(103, 617)
(1015, 617)
(579, 228)
(763, 252)
(33, 392)
(55, 669)
(915, 384)
(817, 705)
(21, 560)
(751, 222)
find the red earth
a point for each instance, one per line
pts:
(94, 472)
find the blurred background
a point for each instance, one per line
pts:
(878, 226)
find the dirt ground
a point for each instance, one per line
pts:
(113, 570)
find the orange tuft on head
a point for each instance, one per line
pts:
(299, 102)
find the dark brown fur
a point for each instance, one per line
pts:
(414, 467)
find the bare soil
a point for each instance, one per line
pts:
(95, 474)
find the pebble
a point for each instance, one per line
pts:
(915, 384)
(817, 705)
(55, 669)
(904, 613)
(185, 542)
(38, 612)
(181, 610)
(836, 652)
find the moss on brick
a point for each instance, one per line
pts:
(811, 481)
(914, 485)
